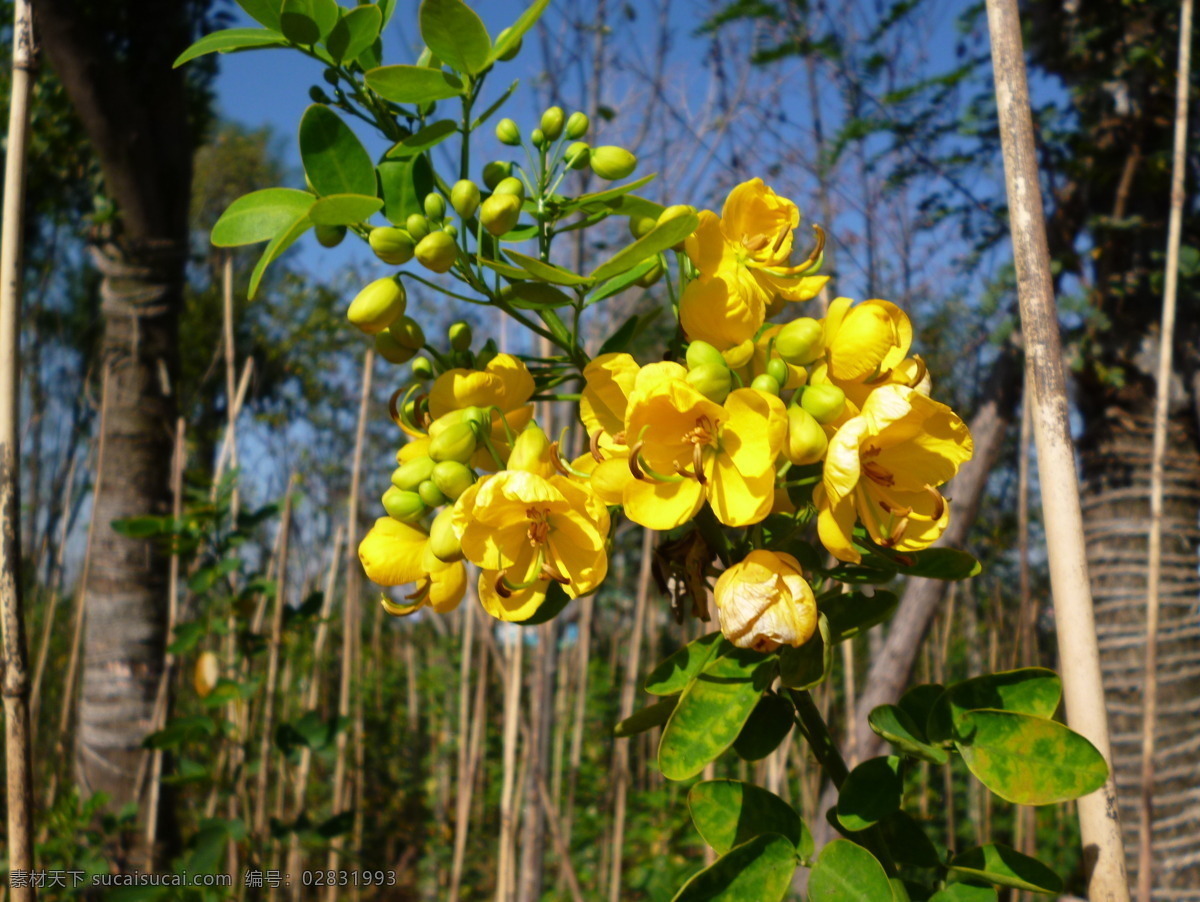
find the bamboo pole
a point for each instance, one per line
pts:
(505, 869)
(18, 763)
(1079, 655)
(1162, 399)
(462, 806)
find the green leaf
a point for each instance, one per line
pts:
(179, 730)
(404, 184)
(893, 724)
(713, 709)
(851, 613)
(455, 34)
(344, 209)
(870, 793)
(334, 159)
(846, 872)
(965, 892)
(769, 724)
(556, 600)
(413, 84)
(355, 31)
(517, 30)
(647, 718)
(1003, 866)
(619, 283)
(1029, 690)
(509, 272)
(430, 136)
(727, 813)
(918, 702)
(934, 563)
(907, 841)
(546, 272)
(1028, 760)
(228, 40)
(756, 871)
(629, 330)
(307, 21)
(536, 295)
(274, 251)
(606, 198)
(144, 527)
(264, 12)
(674, 674)
(811, 663)
(654, 242)
(260, 216)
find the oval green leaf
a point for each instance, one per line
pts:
(674, 674)
(870, 793)
(646, 719)
(404, 184)
(846, 872)
(307, 21)
(918, 701)
(1003, 866)
(727, 813)
(344, 209)
(907, 842)
(334, 159)
(230, 39)
(769, 724)
(605, 198)
(893, 724)
(455, 34)
(657, 240)
(965, 892)
(413, 84)
(1028, 760)
(355, 31)
(1029, 690)
(811, 663)
(264, 12)
(274, 251)
(535, 296)
(546, 272)
(260, 216)
(430, 136)
(850, 613)
(756, 871)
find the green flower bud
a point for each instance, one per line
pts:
(499, 213)
(330, 236)
(700, 353)
(377, 306)
(778, 370)
(431, 494)
(824, 402)
(417, 225)
(641, 226)
(806, 440)
(577, 125)
(435, 207)
(316, 95)
(495, 172)
(422, 369)
(391, 350)
(408, 333)
(408, 476)
(801, 342)
(511, 185)
(538, 138)
(443, 541)
(450, 229)
(508, 133)
(612, 163)
(673, 211)
(456, 443)
(767, 384)
(437, 252)
(511, 51)
(486, 354)
(403, 506)
(464, 197)
(453, 478)
(578, 155)
(552, 122)
(331, 76)
(711, 380)
(392, 245)
(650, 276)
(460, 335)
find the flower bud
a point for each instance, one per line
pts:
(711, 380)
(452, 478)
(450, 229)
(417, 225)
(392, 245)
(531, 452)
(403, 506)
(391, 350)
(824, 402)
(422, 369)
(407, 477)
(766, 383)
(460, 335)
(464, 197)
(650, 276)
(612, 163)
(486, 354)
(552, 122)
(538, 138)
(499, 213)
(701, 352)
(577, 155)
(472, 416)
(806, 441)
(765, 602)
(508, 133)
(330, 236)
(444, 543)
(431, 494)
(377, 306)
(437, 252)
(778, 370)
(511, 185)
(511, 51)
(801, 342)
(495, 172)
(674, 211)
(577, 125)
(435, 207)
(456, 443)
(316, 95)
(641, 226)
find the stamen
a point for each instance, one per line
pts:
(634, 466)
(549, 571)
(594, 446)
(783, 233)
(698, 464)
(939, 503)
(922, 371)
(897, 532)
(502, 588)
(757, 243)
(895, 511)
(421, 591)
(878, 474)
(557, 461)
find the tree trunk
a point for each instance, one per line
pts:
(1116, 468)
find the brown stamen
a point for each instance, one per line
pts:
(549, 571)
(502, 588)
(634, 467)
(594, 445)
(878, 474)
(939, 503)
(757, 243)
(557, 461)
(897, 532)
(698, 464)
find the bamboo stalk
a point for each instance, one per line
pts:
(18, 757)
(462, 809)
(1079, 654)
(1026, 618)
(505, 875)
(1162, 399)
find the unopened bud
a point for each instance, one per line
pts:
(552, 122)
(806, 440)
(700, 353)
(495, 172)
(511, 51)
(531, 452)
(711, 380)
(650, 276)
(453, 478)
(801, 342)
(377, 306)
(417, 225)
(641, 226)
(408, 476)
(392, 245)
(612, 163)
(408, 333)
(508, 133)
(499, 213)
(464, 197)
(778, 370)
(538, 138)
(824, 402)
(435, 207)
(422, 369)
(391, 350)
(577, 125)
(330, 236)
(403, 506)
(511, 185)
(444, 543)
(577, 155)
(767, 384)
(431, 494)
(437, 252)
(456, 443)
(460, 335)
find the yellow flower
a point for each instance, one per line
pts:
(395, 553)
(866, 346)
(765, 602)
(684, 448)
(504, 384)
(884, 467)
(524, 529)
(742, 257)
(608, 380)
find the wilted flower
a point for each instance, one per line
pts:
(765, 602)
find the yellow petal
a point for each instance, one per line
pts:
(505, 382)
(717, 311)
(577, 550)
(413, 450)
(447, 586)
(662, 505)
(706, 246)
(753, 430)
(764, 602)
(843, 462)
(739, 499)
(520, 605)
(391, 552)
(835, 526)
(874, 336)
(608, 382)
(760, 222)
(610, 478)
